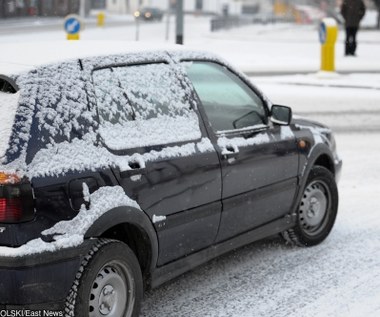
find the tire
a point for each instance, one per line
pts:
(317, 209)
(108, 283)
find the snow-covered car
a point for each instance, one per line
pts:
(122, 167)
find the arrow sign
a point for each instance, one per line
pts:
(72, 24)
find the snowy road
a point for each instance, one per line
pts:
(348, 103)
(274, 48)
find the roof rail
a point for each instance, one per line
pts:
(8, 85)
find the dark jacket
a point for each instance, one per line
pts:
(353, 11)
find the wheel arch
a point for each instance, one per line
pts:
(133, 227)
(320, 155)
(326, 161)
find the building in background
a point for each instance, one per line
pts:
(22, 8)
(197, 6)
(219, 7)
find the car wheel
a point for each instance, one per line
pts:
(108, 283)
(317, 209)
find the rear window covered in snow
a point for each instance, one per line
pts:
(143, 105)
(52, 108)
(8, 108)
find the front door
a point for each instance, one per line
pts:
(259, 159)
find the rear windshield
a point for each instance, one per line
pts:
(8, 108)
(52, 108)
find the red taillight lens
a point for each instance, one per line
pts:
(16, 199)
(10, 209)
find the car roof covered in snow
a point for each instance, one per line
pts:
(19, 57)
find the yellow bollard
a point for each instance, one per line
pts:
(101, 19)
(73, 37)
(328, 34)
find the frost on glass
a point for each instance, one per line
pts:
(111, 98)
(142, 105)
(52, 107)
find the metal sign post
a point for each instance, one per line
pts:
(168, 21)
(137, 20)
(179, 22)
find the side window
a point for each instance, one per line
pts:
(153, 90)
(229, 103)
(143, 105)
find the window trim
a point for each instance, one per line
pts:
(246, 130)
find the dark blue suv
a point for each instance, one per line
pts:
(120, 172)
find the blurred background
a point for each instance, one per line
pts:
(250, 11)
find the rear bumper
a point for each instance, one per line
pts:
(40, 281)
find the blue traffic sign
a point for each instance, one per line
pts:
(72, 24)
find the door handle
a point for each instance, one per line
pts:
(230, 152)
(135, 170)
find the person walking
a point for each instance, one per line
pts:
(352, 11)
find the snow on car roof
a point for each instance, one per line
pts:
(20, 57)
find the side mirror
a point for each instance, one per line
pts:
(281, 115)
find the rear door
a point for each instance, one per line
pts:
(259, 160)
(149, 121)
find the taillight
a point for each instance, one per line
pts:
(9, 178)
(16, 199)
(10, 210)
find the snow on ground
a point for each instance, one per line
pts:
(255, 48)
(340, 277)
(346, 103)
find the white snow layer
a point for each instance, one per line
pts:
(8, 108)
(156, 219)
(56, 97)
(155, 131)
(286, 133)
(318, 133)
(86, 192)
(71, 233)
(81, 155)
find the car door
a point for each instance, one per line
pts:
(165, 160)
(259, 159)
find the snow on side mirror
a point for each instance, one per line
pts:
(281, 115)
